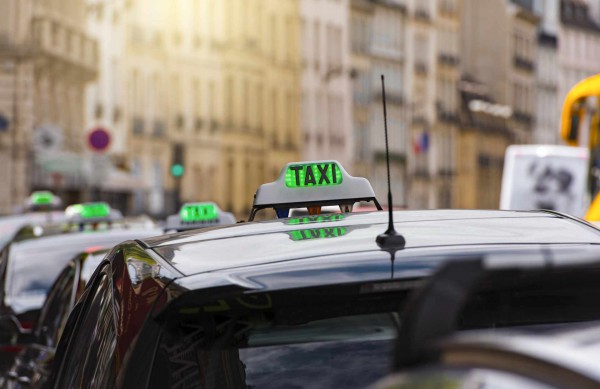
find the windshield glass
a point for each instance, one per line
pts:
(34, 265)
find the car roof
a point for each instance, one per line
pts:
(436, 231)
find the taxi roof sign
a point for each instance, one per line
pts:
(198, 215)
(92, 212)
(304, 184)
(42, 200)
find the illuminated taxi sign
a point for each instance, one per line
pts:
(198, 215)
(199, 212)
(315, 219)
(99, 211)
(312, 184)
(313, 174)
(317, 233)
(42, 200)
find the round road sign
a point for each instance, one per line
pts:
(99, 139)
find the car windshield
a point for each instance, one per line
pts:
(34, 265)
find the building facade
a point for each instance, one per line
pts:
(326, 81)
(379, 47)
(579, 45)
(213, 86)
(499, 48)
(46, 60)
(435, 118)
(547, 74)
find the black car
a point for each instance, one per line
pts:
(311, 301)
(31, 365)
(29, 267)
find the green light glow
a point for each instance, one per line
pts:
(313, 174)
(177, 170)
(198, 212)
(95, 211)
(89, 210)
(315, 219)
(318, 233)
(42, 197)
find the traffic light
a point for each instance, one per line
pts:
(177, 167)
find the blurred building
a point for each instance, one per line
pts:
(447, 101)
(46, 60)
(435, 28)
(326, 81)
(109, 178)
(547, 74)
(262, 75)
(483, 137)
(579, 44)
(499, 48)
(379, 39)
(213, 86)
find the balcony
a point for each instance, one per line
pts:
(65, 45)
(524, 64)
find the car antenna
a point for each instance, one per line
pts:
(390, 240)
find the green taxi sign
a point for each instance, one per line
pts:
(42, 197)
(198, 215)
(42, 200)
(315, 219)
(87, 211)
(199, 212)
(312, 184)
(317, 233)
(313, 174)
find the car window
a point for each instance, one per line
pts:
(279, 341)
(56, 309)
(90, 361)
(34, 265)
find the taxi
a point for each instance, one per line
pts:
(29, 266)
(40, 207)
(32, 364)
(274, 303)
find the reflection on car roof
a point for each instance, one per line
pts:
(282, 240)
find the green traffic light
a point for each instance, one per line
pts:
(177, 170)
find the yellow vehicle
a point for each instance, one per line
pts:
(580, 126)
